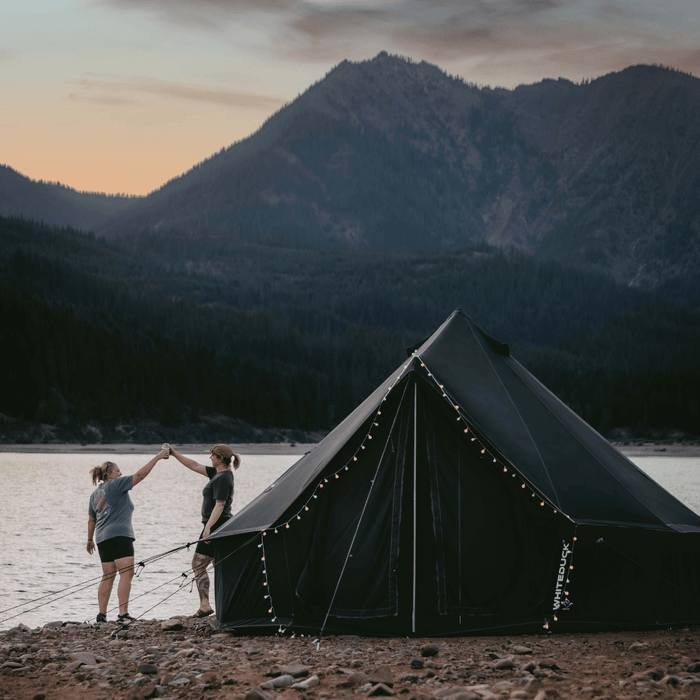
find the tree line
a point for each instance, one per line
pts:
(297, 338)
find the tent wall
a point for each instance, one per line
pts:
(629, 577)
(476, 552)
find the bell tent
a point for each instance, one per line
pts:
(460, 497)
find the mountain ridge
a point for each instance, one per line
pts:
(392, 154)
(54, 203)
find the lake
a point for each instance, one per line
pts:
(43, 530)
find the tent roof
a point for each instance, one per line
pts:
(559, 454)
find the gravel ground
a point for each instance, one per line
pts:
(187, 658)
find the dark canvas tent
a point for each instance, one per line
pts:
(461, 496)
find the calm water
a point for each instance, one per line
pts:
(44, 524)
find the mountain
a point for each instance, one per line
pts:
(397, 155)
(56, 204)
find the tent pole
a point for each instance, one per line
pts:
(415, 470)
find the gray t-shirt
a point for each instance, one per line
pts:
(111, 506)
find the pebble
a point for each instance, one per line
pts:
(429, 650)
(282, 681)
(380, 689)
(381, 675)
(307, 683)
(296, 670)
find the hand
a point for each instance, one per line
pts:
(205, 534)
(164, 454)
(90, 547)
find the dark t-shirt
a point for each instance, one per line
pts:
(219, 488)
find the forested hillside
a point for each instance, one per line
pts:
(55, 204)
(102, 345)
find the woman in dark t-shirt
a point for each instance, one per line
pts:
(216, 510)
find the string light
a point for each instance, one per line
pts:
(368, 436)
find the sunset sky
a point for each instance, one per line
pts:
(122, 95)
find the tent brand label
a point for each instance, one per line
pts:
(561, 578)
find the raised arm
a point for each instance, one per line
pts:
(145, 470)
(189, 463)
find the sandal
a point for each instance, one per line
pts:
(126, 618)
(203, 613)
(101, 617)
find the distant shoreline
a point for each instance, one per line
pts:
(644, 449)
(128, 448)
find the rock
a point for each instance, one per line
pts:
(255, 694)
(529, 667)
(309, 682)
(12, 664)
(283, 681)
(179, 682)
(85, 657)
(448, 690)
(172, 625)
(419, 696)
(353, 679)
(519, 649)
(640, 677)
(671, 680)
(694, 668)
(429, 650)
(408, 678)
(148, 669)
(417, 663)
(230, 681)
(381, 674)
(39, 696)
(148, 691)
(53, 625)
(638, 646)
(274, 670)
(296, 670)
(380, 689)
(468, 695)
(504, 664)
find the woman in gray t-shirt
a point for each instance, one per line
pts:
(109, 523)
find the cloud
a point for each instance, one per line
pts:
(6, 55)
(457, 32)
(209, 14)
(109, 91)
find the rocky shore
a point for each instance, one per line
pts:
(188, 658)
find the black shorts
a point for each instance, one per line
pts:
(116, 548)
(208, 549)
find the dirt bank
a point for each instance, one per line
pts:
(189, 659)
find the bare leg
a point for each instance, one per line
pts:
(200, 562)
(126, 574)
(109, 571)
